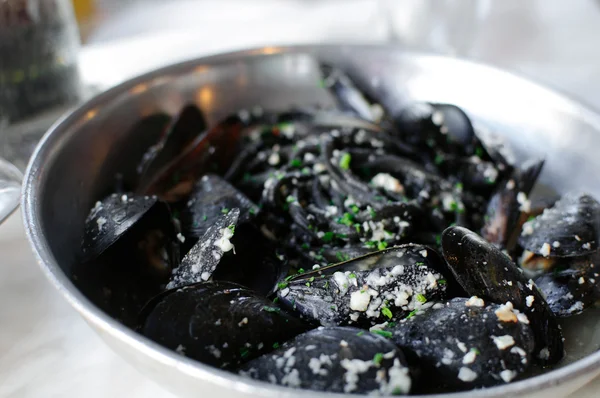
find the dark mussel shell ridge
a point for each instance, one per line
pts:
(219, 323)
(486, 272)
(467, 343)
(335, 359)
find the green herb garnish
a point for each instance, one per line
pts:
(383, 333)
(296, 163)
(420, 298)
(204, 218)
(275, 345)
(225, 210)
(411, 314)
(354, 209)
(328, 237)
(282, 285)
(232, 228)
(360, 333)
(270, 309)
(352, 275)
(386, 312)
(378, 358)
(346, 219)
(345, 161)
(382, 245)
(290, 199)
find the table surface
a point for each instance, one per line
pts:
(47, 350)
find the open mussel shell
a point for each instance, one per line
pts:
(211, 197)
(219, 323)
(484, 271)
(507, 204)
(572, 286)
(143, 135)
(368, 290)
(112, 217)
(258, 263)
(137, 228)
(335, 359)
(569, 228)
(465, 344)
(189, 124)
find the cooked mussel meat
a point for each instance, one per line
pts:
(335, 359)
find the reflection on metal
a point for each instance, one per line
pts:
(91, 114)
(270, 50)
(204, 97)
(138, 89)
(201, 68)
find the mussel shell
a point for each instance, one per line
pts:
(200, 262)
(464, 346)
(212, 196)
(219, 323)
(137, 228)
(571, 290)
(365, 298)
(189, 124)
(486, 272)
(257, 263)
(504, 209)
(335, 359)
(404, 255)
(569, 228)
(348, 97)
(144, 134)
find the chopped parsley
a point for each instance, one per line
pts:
(275, 345)
(382, 245)
(296, 163)
(354, 209)
(328, 237)
(441, 281)
(347, 219)
(372, 213)
(290, 199)
(232, 228)
(352, 275)
(459, 186)
(311, 279)
(378, 358)
(282, 285)
(252, 210)
(475, 350)
(307, 284)
(225, 210)
(386, 312)
(305, 246)
(420, 298)
(244, 352)
(360, 333)
(204, 218)
(479, 152)
(439, 159)
(345, 161)
(383, 333)
(270, 309)
(301, 270)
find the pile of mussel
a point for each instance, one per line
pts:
(353, 249)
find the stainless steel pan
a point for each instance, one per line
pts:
(78, 158)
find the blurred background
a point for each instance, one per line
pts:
(56, 53)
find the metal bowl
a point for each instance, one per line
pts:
(77, 161)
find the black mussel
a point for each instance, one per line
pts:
(189, 124)
(335, 359)
(508, 202)
(484, 271)
(258, 264)
(572, 286)
(209, 152)
(348, 97)
(369, 290)
(139, 228)
(569, 228)
(209, 199)
(200, 262)
(465, 344)
(142, 135)
(219, 323)
(436, 126)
